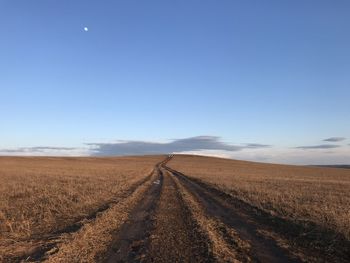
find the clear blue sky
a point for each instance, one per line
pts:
(272, 72)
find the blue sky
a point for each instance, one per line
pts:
(267, 72)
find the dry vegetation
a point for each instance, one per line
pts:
(319, 195)
(98, 209)
(92, 242)
(39, 196)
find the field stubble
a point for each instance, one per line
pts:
(40, 197)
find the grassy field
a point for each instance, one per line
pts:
(39, 196)
(187, 208)
(319, 195)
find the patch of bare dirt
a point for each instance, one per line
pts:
(160, 228)
(131, 242)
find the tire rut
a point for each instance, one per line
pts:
(177, 237)
(160, 229)
(131, 242)
(263, 249)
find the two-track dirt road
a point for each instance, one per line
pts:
(181, 220)
(160, 228)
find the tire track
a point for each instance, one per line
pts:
(131, 242)
(176, 236)
(160, 228)
(263, 249)
(225, 244)
(179, 221)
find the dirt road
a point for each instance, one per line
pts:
(180, 220)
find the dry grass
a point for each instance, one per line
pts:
(320, 195)
(42, 195)
(91, 243)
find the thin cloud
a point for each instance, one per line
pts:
(321, 146)
(36, 149)
(45, 151)
(283, 155)
(335, 139)
(256, 145)
(178, 145)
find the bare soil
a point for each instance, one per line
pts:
(176, 234)
(131, 242)
(160, 228)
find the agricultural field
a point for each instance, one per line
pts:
(40, 198)
(171, 209)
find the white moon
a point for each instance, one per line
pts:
(86, 29)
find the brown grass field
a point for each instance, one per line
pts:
(158, 209)
(321, 195)
(40, 196)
